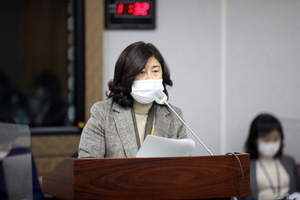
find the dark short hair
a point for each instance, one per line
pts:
(262, 125)
(131, 62)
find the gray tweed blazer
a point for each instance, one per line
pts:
(110, 131)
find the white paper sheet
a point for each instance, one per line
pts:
(155, 146)
(294, 196)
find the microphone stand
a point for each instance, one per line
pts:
(188, 128)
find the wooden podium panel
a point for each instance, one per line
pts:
(200, 177)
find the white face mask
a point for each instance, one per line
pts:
(3, 154)
(143, 90)
(268, 149)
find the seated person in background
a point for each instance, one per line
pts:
(14, 162)
(272, 174)
(118, 126)
(46, 107)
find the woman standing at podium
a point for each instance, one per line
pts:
(118, 126)
(272, 174)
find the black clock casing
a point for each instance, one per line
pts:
(129, 14)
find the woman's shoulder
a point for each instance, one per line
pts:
(175, 107)
(287, 159)
(106, 105)
(164, 110)
(102, 103)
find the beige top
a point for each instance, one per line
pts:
(141, 113)
(270, 174)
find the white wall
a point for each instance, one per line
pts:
(229, 61)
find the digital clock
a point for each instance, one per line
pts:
(129, 14)
(135, 9)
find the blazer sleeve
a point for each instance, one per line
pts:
(92, 141)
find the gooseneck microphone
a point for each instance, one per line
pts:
(161, 98)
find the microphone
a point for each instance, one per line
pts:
(161, 98)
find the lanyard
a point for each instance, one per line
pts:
(269, 178)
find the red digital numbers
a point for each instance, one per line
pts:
(141, 8)
(133, 9)
(120, 8)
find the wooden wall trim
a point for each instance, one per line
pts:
(94, 25)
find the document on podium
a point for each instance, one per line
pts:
(155, 146)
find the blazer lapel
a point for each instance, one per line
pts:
(126, 130)
(162, 122)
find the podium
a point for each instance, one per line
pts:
(194, 177)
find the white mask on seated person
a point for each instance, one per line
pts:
(143, 90)
(268, 149)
